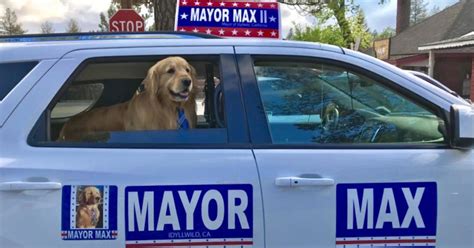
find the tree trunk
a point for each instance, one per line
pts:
(125, 4)
(403, 15)
(340, 14)
(164, 14)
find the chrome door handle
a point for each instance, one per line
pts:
(20, 186)
(303, 181)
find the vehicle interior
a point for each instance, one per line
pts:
(303, 102)
(109, 82)
(324, 104)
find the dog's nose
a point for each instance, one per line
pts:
(186, 82)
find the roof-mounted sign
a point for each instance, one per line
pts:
(229, 19)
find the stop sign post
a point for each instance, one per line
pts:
(126, 20)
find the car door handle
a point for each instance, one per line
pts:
(20, 186)
(303, 181)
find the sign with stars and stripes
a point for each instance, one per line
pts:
(229, 19)
(89, 212)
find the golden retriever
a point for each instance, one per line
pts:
(168, 88)
(88, 213)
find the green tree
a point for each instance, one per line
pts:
(290, 34)
(47, 27)
(325, 10)
(329, 34)
(9, 25)
(385, 34)
(73, 26)
(333, 34)
(104, 20)
(360, 29)
(419, 11)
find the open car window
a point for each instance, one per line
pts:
(138, 101)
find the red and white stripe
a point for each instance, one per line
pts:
(233, 32)
(239, 242)
(392, 241)
(228, 4)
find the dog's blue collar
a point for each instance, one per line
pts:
(182, 121)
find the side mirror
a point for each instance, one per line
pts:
(462, 124)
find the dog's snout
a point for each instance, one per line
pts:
(186, 82)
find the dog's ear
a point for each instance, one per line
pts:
(81, 197)
(193, 76)
(151, 81)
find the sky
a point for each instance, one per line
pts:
(31, 13)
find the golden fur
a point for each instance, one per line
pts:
(153, 109)
(88, 214)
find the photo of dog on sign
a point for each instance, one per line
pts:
(89, 212)
(89, 207)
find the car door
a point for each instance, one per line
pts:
(191, 188)
(352, 154)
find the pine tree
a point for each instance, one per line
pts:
(419, 11)
(47, 27)
(104, 20)
(290, 34)
(385, 34)
(73, 26)
(9, 25)
(435, 10)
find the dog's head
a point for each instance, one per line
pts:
(171, 78)
(89, 196)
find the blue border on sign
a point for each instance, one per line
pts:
(68, 233)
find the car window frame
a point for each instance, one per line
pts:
(236, 132)
(259, 128)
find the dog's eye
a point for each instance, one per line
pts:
(187, 69)
(170, 70)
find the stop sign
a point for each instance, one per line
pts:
(126, 20)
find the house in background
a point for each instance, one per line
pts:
(452, 61)
(442, 45)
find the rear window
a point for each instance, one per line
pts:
(12, 74)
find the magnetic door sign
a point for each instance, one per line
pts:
(230, 19)
(89, 212)
(189, 215)
(386, 215)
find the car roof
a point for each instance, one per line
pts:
(104, 36)
(27, 48)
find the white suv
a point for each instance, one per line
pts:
(296, 145)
